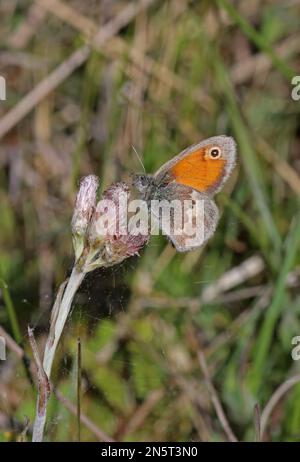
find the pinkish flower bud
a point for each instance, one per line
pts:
(109, 239)
(110, 216)
(83, 211)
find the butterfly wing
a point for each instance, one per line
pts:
(195, 169)
(190, 218)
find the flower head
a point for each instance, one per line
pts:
(108, 240)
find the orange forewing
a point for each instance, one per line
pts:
(198, 170)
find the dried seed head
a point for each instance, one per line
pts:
(83, 211)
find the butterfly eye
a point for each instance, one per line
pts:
(143, 180)
(215, 153)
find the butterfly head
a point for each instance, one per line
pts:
(143, 183)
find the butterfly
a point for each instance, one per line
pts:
(192, 177)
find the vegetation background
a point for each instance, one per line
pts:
(175, 347)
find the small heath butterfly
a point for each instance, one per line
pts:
(194, 176)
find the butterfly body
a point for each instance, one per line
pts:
(196, 174)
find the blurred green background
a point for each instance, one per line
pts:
(178, 72)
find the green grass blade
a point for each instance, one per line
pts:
(265, 336)
(11, 312)
(257, 39)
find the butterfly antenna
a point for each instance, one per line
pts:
(139, 158)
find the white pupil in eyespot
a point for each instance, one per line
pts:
(215, 152)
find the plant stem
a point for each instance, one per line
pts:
(60, 311)
(59, 323)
